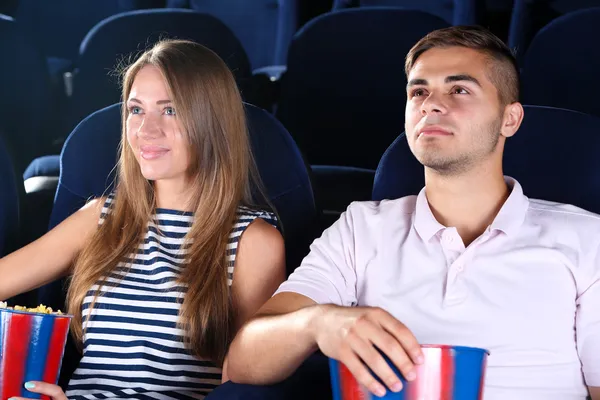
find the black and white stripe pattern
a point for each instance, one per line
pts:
(132, 346)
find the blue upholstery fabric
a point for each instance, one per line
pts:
(43, 166)
(455, 12)
(560, 68)
(343, 95)
(530, 16)
(554, 156)
(399, 173)
(25, 99)
(265, 27)
(119, 36)
(9, 203)
(60, 25)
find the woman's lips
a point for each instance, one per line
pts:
(152, 152)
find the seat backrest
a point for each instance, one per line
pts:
(265, 27)
(9, 203)
(560, 68)
(399, 173)
(25, 99)
(60, 25)
(530, 16)
(554, 156)
(278, 159)
(114, 40)
(455, 12)
(344, 92)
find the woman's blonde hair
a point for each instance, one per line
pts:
(210, 111)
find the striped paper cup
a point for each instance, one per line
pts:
(31, 349)
(448, 373)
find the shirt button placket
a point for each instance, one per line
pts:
(455, 290)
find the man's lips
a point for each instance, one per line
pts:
(434, 131)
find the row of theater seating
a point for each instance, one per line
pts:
(265, 27)
(554, 156)
(342, 83)
(62, 34)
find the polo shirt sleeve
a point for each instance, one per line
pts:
(327, 275)
(587, 322)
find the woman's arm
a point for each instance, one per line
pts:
(259, 270)
(51, 256)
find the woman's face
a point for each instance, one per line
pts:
(154, 133)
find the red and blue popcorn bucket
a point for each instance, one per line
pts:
(448, 373)
(32, 346)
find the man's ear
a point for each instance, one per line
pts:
(513, 116)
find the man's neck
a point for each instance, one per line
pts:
(469, 201)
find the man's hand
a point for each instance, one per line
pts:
(350, 334)
(53, 391)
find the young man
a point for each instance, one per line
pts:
(469, 261)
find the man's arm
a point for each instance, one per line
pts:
(282, 324)
(587, 318)
(290, 327)
(275, 342)
(302, 318)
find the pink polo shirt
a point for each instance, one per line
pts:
(528, 289)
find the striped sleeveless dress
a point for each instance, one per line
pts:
(133, 348)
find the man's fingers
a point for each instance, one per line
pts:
(402, 334)
(374, 360)
(394, 351)
(362, 374)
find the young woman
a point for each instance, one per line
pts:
(167, 267)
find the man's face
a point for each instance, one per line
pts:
(453, 112)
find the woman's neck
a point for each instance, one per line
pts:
(173, 195)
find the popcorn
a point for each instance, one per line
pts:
(41, 309)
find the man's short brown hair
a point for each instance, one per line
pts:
(503, 71)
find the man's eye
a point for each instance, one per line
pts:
(459, 90)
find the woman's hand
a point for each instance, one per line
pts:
(53, 391)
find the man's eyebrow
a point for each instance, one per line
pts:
(414, 82)
(462, 77)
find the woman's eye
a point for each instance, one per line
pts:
(169, 111)
(135, 110)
